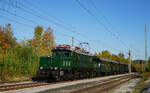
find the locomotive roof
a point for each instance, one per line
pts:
(123, 63)
(73, 50)
(79, 51)
(109, 60)
(82, 53)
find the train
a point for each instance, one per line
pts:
(70, 63)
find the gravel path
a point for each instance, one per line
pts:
(127, 87)
(54, 86)
(24, 82)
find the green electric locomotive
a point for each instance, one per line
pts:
(67, 63)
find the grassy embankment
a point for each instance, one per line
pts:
(18, 64)
(143, 82)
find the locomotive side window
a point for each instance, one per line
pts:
(61, 53)
(57, 54)
(66, 53)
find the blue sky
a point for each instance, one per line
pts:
(125, 18)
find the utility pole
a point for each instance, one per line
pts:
(72, 41)
(129, 64)
(146, 45)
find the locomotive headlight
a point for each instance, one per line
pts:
(55, 68)
(41, 68)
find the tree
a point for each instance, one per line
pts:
(6, 39)
(38, 32)
(36, 41)
(121, 55)
(137, 67)
(43, 41)
(148, 64)
(97, 54)
(114, 57)
(48, 41)
(48, 37)
(106, 54)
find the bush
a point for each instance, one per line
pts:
(19, 61)
(145, 75)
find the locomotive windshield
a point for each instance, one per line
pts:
(61, 53)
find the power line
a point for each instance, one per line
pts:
(70, 29)
(104, 17)
(27, 24)
(39, 16)
(33, 26)
(16, 21)
(49, 20)
(36, 12)
(18, 16)
(24, 17)
(102, 14)
(96, 18)
(44, 12)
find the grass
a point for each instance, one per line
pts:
(140, 86)
(19, 63)
(145, 75)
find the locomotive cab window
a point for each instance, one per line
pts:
(60, 53)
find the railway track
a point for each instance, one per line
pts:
(37, 84)
(21, 86)
(28, 85)
(91, 87)
(103, 87)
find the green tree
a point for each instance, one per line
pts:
(148, 64)
(6, 40)
(121, 55)
(38, 32)
(19, 59)
(106, 54)
(43, 41)
(36, 41)
(114, 57)
(48, 41)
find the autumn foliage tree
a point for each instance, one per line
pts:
(6, 39)
(119, 58)
(37, 39)
(43, 41)
(48, 41)
(104, 54)
(22, 59)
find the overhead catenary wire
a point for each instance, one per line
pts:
(97, 19)
(49, 20)
(44, 12)
(36, 16)
(17, 21)
(101, 23)
(102, 14)
(21, 16)
(107, 21)
(31, 26)
(18, 16)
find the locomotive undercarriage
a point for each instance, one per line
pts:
(69, 74)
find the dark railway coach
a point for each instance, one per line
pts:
(67, 63)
